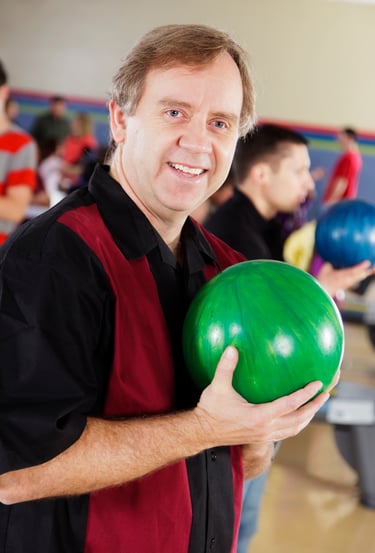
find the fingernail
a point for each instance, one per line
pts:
(230, 352)
(319, 385)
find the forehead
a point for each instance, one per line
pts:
(289, 153)
(220, 81)
(58, 104)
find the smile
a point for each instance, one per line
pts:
(187, 170)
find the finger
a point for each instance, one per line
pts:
(363, 265)
(314, 404)
(360, 271)
(290, 403)
(295, 422)
(225, 368)
(345, 278)
(363, 271)
(335, 380)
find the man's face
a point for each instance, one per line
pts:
(177, 148)
(58, 109)
(290, 182)
(344, 140)
(4, 91)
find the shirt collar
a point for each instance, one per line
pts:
(133, 232)
(258, 221)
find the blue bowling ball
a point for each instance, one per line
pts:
(345, 233)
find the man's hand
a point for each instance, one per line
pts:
(334, 280)
(230, 420)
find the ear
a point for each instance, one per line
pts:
(261, 173)
(117, 121)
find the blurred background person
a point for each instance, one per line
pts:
(18, 161)
(343, 182)
(12, 110)
(50, 164)
(80, 138)
(54, 123)
(77, 147)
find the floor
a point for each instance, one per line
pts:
(311, 504)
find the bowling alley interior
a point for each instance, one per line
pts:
(313, 62)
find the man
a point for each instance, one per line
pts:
(18, 159)
(343, 183)
(99, 414)
(52, 124)
(271, 170)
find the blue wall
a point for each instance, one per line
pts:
(32, 104)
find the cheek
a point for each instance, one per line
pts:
(231, 148)
(136, 150)
(224, 157)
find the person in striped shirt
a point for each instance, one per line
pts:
(18, 161)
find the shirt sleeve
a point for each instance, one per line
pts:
(53, 350)
(22, 166)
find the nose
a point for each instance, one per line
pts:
(310, 183)
(195, 137)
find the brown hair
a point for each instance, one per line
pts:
(3, 75)
(171, 45)
(264, 143)
(85, 122)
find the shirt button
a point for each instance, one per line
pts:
(213, 456)
(212, 543)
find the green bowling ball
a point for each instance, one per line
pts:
(287, 329)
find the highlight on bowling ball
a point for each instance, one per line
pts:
(345, 233)
(287, 329)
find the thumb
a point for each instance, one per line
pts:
(225, 368)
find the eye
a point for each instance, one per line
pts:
(174, 113)
(220, 124)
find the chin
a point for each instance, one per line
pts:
(183, 205)
(289, 210)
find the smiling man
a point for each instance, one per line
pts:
(99, 415)
(182, 156)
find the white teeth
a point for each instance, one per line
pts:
(189, 170)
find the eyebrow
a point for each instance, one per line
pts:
(229, 116)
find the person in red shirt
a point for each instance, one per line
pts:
(77, 144)
(18, 160)
(80, 139)
(343, 183)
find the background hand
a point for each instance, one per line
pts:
(334, 280)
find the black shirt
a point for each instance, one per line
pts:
(240, 225)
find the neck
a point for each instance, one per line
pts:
(170, 234)
(167, 225)
(178, 251)
(352, 147)
(262, 206)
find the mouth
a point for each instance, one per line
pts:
(184, 169)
